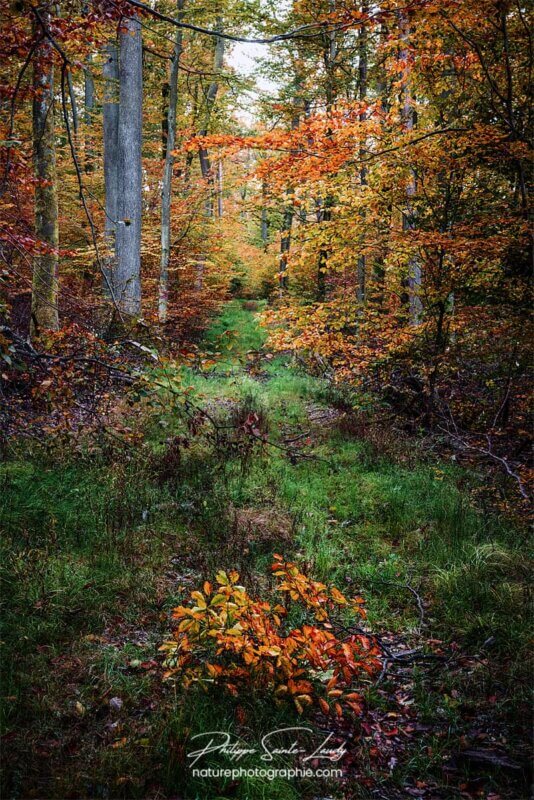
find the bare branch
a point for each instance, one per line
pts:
(297, 33)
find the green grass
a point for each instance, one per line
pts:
(235, 326)
(96, 549)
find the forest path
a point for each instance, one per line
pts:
(384, 526)
(102, 548)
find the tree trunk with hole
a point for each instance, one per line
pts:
(127, 274)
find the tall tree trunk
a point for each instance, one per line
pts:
(264, 230)
(205, 164)
(285, 246)
(362, 96)
(264, 226)
(330, 59)
(110, 109)
(166, 189)
(383, 89)
(408, 222)
(165, 101)
(73, 105)
(289, 211)
(89, 102)
(324, 213)
(44, 308)
(127, 276)
(211, 97)
(220, 187)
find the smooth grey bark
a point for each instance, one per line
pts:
(127, 273)
(110, 109)
(166, 189)
(44, 308)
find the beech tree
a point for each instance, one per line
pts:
(127, 272)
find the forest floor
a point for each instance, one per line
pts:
(100, 545)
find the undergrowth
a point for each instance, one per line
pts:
(97, 549)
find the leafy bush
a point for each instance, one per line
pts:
(228, 637)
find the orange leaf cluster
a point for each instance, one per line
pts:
(226, 636)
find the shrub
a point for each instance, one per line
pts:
(227, 637)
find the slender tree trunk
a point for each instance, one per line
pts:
(166, 190)
(189, 158)
(127, 276)
(220, 187)
(324, 214)
(330, 59)
(199, 274)
(205, 163)
(211, 97)
(89, 106)
(285, 246)
(73, 105)
(89, 98)
(264, 225)
(384, 226)
(165, 103)
(187, 173)
(362, 96)
(110, 108)
(325, 208)
(44, 308)
(414, 266)
(289, 211)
